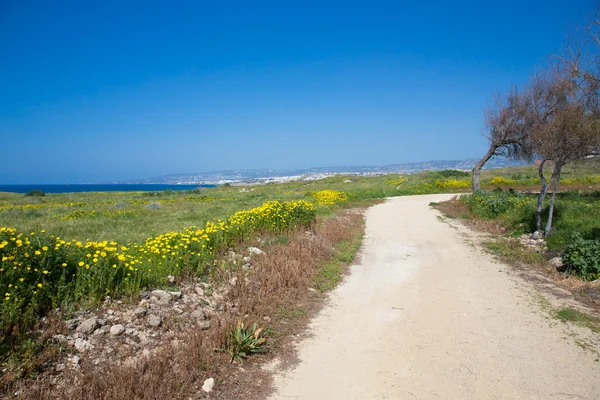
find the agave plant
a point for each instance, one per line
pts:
(244, 341)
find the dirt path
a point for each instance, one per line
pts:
(427, 316)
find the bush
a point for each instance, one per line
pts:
(490, 205)
(453, 173)
(582, 256)
(36, 193)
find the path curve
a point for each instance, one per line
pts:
(425, 315)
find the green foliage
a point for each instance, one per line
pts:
(490, 205)
(243, 341)
(36, 193)
(454, 173)
(582, 256)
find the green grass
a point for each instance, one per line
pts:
(330, 273)
(568, 314)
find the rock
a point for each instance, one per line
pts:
(153, 206)
(199, 290)
(116, 330)
(110, 312)
(312, 290)
(102, 322)
(171, 280)
(255, 251)
(105, 329)
(162, 296)
(347, 181)
(537, 235)
(139, 312)
(72, 323)
(60, 339)
(246, 266)
(267, 319)
(176, 295)
(88, 326)
(198, 315)
(233, 281)
(82, 345)
(208, 385)
(203, 325)
(131, 331)
(247, 259)
(556, 262)
(154, 320)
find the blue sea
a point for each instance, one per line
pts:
(96, 188)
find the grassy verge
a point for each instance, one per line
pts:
(274, 294)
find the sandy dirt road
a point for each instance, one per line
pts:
(426, 315)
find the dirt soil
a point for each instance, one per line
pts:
(426, 314)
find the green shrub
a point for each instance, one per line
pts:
(36, 193)
(582, 256)
(453, 173)
(490, 205)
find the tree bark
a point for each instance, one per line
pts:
(556, 179)
(476, 185)
(540, 202)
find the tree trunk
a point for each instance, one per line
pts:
(556, 179)
(476, 185)
(540, 202)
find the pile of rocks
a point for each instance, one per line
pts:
(534, 241)
(123, 333)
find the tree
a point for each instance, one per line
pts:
(508, 131)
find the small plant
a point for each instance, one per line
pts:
(36, 193)
(244, 341)
(582, 256)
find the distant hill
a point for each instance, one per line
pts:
(282, 175)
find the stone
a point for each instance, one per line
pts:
(198, 315)
(139, 312)
(82, 345)
(199, 290)
(72, 323)
(247, 259)
(203, 325)
(255, 251)
(556, 262)
(246, 266)
(131, 331)
(233, 281)
(105, 329)
(154, 320)
(88, 326)
(176, 295)
(171, 280)
(101, 321)
(267, 319)
(208, 385)
(60, 339)
(162, 296)
(116, 330)
(537, 235)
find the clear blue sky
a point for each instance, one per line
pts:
(112, 90)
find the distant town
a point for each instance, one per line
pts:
(263, 176)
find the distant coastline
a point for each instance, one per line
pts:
(79, 188)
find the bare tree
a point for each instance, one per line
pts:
(508, 131)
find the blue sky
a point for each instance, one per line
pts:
(114, 90)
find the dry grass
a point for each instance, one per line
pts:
(277, 288)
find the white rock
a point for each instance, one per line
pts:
(88, 326)
(171, 279)
(82, 345)
(162, 296)
(198, 314)
(208, 385)
(199, 290)
(154, 320)
(176, 295)
(233, 281)
(256, 251)
(537, 235)
(116, 330)
(203, 325)
(556, 262)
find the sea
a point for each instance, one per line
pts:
(97, 188)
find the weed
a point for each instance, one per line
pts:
(243, 341)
